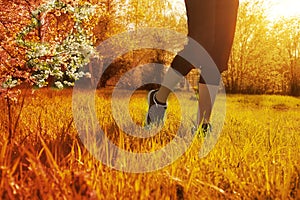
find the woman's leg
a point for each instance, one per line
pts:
(224, 28)
(200, 19)
(211, 24)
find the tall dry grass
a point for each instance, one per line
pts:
(256, 157)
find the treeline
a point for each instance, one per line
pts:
(265, 54)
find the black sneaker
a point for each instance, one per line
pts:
(205, 130)
(156, 110)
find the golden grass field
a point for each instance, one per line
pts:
(257, 155)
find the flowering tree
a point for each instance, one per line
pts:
(60, 58)
(44, 50)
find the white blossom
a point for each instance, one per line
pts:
(59, 85)
(10, 82)
(73, 53)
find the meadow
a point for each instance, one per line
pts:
(256, 157)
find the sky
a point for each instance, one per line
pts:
(282, 8)
(274, 8)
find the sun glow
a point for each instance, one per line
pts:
(275, 9)
(282, 8)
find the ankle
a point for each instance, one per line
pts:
(204, 121)
(158, 101)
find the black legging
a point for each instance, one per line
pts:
(212, 24)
